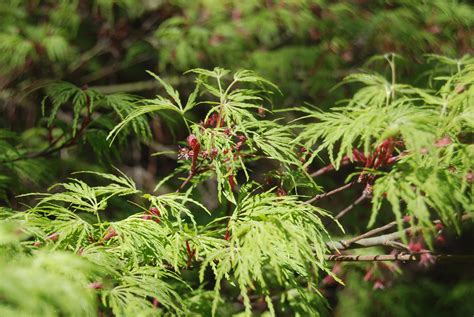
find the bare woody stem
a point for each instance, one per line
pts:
(51, 148)
(383, 240)
(366, 240)
(191, 174)
(328, 168)
(397, 257)
(351, 206)
(330, 193)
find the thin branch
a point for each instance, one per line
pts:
(112, 68)
(398, 257)
(193, 172)
(186, 181)
(137, 86)
(100, 47)
(51, 149)
(372, 232)
(329, 168)
(383, 240)
(349, 208)
(364, 241)
(330, 193)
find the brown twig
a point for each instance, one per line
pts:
(366, 240)
(134, 86)
(349, 208)
(51, 149)
(328, 168)
(191, 174)
(398, 257)
(330, 193)
(383, 240)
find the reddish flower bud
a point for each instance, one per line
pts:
(439, 226)
(53, 237)
(281, 192)
(358, 156)
(211, 121)
(426, 259)
(147, 217)
(379, 284)
(95, 285)
(434, 29)
(232, 183)
(368, 190)
(155, 214)
(441, 239)
(415, 247)
(238, 145)
(368, 275)
(328, 280)
(110, 233)
(459, 88)
(155, 211)
(469, 177)
(192, 141)
(445, 141)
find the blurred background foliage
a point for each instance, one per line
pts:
(103, 48)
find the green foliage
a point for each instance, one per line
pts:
(43, 282)
(269, 234)
(426, 128)
(271, 244)
(220, 219)
(360, 300)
